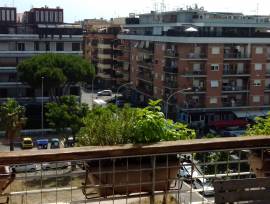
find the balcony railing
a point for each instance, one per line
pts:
(234, 88)
(235, 103)
(171, 83)
(196, 56)
(146, 77)
(235, 72)
(194, 73)
(146, 64)
(169, 53)
(180, 171)
(170, 69)
(237, 55)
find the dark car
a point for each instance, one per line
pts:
(69, 142)
(55, 143)
(42, 144)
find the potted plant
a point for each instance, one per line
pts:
(115, 126)
(259, 160)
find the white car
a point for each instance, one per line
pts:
(186, 171)
(55, 165)
(105, 93)
(205, 186)
(24, 168)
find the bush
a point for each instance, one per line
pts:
(112, 125)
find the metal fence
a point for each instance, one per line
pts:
(170, 172)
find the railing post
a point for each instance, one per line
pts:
(153, 164)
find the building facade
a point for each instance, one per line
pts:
(41, 30)
(109, 55)
(224, 58)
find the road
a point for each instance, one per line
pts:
(87, 97)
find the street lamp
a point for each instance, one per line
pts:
(42, 104)
(167, 102)
(129, 83)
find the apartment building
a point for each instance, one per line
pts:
(39, 31)
(224, 58)
(109, 54)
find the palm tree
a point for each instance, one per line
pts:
(12, 119)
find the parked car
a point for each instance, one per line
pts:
(55, 165)
(204, 185)
(27, 142)
(105, 93)
(69, 142)
(24, 168)
(42, 144)
(186, 171)
(55, 143)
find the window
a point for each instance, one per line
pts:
(259, 50)
(48, 48)
(59, 46)
(46, 16)
(156, 75)
(213, 100)
(76, 46)
(215, 50)
(8, 15)
(37, 16)
(258, 67)
(3, 15)
(257, 82)
(256, 99)
(36, 46)
(214, 83)
(20, 47)
(214, 67)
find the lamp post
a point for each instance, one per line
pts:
(93, 80)
(42, 104)
(167, 102)
(130, 83)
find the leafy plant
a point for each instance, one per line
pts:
(12, 118)
(68, 113)
(112, 125)
(261, 127)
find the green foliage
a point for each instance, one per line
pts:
(262, 127)
(11, 114)
(57, 70)
(112, 125)
(68, 113)
(12, 119)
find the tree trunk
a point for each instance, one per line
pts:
(11, 134)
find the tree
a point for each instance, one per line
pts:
(58, 70)
(261, 127)
(68, 113)
(12, 119)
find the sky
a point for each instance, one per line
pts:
(84, 9)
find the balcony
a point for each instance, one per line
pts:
(230, 88)
(193, 73)
(235, 72)
(133, 174)
(196, 56)
(146, 64)
(170, 53)
(236, 56)
(234, 103)
(147, 77)
(171, 84)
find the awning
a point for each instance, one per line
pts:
(250, 114)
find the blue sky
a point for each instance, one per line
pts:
(81, 9)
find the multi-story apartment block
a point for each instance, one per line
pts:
(223, 57)
(41, 30)
(109, 55)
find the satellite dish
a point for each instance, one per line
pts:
(191, 29)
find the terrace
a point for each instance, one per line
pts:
(175, 172)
